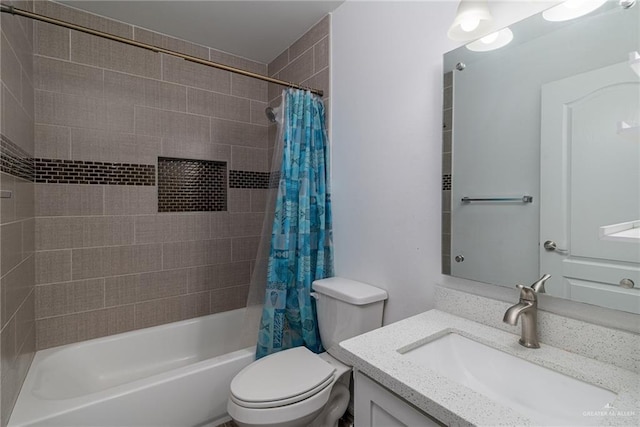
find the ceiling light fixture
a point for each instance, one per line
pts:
(571, 9)
(472, 20)
(492, 41)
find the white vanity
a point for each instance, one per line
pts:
(437, 368)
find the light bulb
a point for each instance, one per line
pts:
(469, 24)
(490, 38)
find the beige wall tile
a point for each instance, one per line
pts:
(229, 298)
(68, 200)
(249, 159)
(85, 19)
(258, 115)
(157, 312)
(187, 128)
(72, 297)
(299, 69)
(8, 205)
(50, 40)
(244, 248)
(246, 224)
(259, 200)
(28, 237)
(115, 260)
(248, 87)
(195, 253)
(279, 63)
(172, 227)
(106, 146)
(91, 50)
(53, 266)
(54, 75)
(25, 324)
(239, 200)
(55, 331)
(16, 124)
(52, 142)
(19, 41)
(238, 133)
(120, 290)
(219, 276)
(311, 37)
(319, 81)
(220, 225)
(16, 286)
(70, 110)
(201, 150)
(321, 54)
(177, 70)
(218, 105)
(196, 305)
(171, 43)
(11, 70)
(119, 117)
(236, 61)
(128, 89)
(161, 284)
(79, 232)
(11, 253)
(130, 200)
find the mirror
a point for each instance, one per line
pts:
(545, 158)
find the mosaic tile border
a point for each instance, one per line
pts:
(15, 161)
(446, 182)
(249, 179)
(189, 185)
(56, 171)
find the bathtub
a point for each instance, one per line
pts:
(170, 375)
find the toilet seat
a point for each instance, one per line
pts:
(281, 379)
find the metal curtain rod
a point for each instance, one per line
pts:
(21, 12)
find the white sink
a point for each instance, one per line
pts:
(545, 396)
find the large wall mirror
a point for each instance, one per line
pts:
(545, 157)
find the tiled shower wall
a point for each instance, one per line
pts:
(306, 61)
(106, 260)
(17, 343)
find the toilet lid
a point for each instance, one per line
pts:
(281, 379)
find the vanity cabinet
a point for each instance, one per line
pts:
(376, 406)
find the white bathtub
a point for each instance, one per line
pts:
(170, 375)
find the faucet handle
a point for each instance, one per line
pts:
(526, 293)
(538, 285)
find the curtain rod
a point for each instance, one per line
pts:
(21, 12)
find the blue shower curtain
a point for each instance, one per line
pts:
(301, 242)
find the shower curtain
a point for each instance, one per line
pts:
(300, 249)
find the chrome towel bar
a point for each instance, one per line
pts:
(523, 199)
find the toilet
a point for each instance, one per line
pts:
(297, 387)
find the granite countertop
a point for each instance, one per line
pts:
(376, 355)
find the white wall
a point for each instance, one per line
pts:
(386, 112)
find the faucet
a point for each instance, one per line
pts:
(527, 309)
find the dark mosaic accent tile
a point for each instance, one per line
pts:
(446, 182)
(14, 160)
(191, 185)
(56, 171)
(249, 179)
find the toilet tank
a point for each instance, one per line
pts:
(346, 308)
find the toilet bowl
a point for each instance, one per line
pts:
(289, 389)
(296, 387)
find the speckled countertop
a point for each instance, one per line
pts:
(376, 355)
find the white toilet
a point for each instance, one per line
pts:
(297, 387)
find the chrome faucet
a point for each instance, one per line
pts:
(527, 309)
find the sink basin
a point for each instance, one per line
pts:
(545, 396)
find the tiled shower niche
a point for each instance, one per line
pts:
(187, 185)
